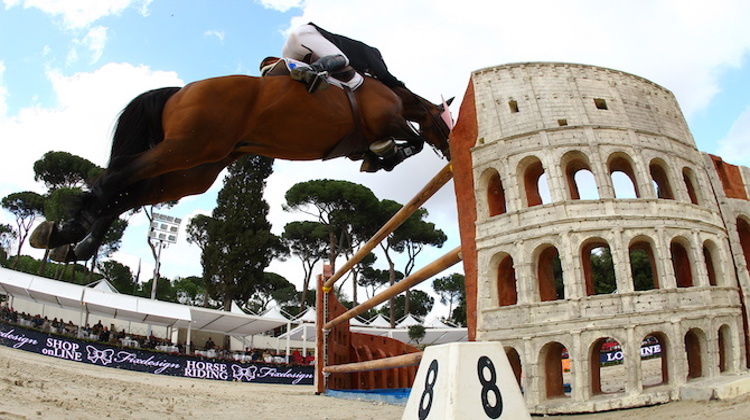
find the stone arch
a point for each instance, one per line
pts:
(715, 271)
(688, 177)
(726, 349)
(743, 229)
(654, 359)
(531, 171)
(606, 352)
(549, 274)
(598, 268)
(643, 264)
(695, 341)
(493, 185)
(621, 163)
(579, 177)
(682, 262)
(660, 176)
(507, 286)
(551, 357)
(515, 364)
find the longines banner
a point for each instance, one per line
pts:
(69, 348)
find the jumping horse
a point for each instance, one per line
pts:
(173, 142)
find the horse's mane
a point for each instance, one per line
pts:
(139, 125)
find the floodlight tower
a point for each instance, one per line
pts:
(163, 232)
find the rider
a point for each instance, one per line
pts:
(328, 52)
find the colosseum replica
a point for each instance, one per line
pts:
(607, 254)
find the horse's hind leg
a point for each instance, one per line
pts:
(168, 187)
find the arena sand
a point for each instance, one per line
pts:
(41, 387)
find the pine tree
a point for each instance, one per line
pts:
(241, 244)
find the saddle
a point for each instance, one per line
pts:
(353, 145)
(383, 154)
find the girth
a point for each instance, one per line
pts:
(353, 145)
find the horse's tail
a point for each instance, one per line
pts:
(139, 126)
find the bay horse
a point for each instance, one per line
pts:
(173, 142)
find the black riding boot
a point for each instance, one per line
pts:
(315, 75)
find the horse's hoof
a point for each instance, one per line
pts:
(85, 249)
(42, 234)
(63, 254)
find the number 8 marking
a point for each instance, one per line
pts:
(489, 386)
(429, 390)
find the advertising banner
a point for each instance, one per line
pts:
(95, 353)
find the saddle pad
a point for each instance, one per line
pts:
(291, 64)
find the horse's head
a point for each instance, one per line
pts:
(435, 122)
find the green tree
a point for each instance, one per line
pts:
(119, 275)
(421, 304)
(450, 289)
(373, 279)
(197, 233)
(410, 237)
(273, 287)
(25, 206)
(64, 170)
(240, 244)
(190, 290)
(309, 242)
(640, 267)
(417, 333)
(343, 206)
(603, 271)
(7, 235)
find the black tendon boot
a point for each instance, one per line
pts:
(315, 75)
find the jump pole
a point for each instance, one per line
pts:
(404, 360)
(399, 218)
(448, 260)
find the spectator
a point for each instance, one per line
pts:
(209, 344)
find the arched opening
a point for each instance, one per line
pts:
(495, 195)
(623, 176)
(693, 350)
(654, 359)
(549, 275)
(606, 367)
(552, 356)
(743, 229)
(681, 263)
(580, 180)
(534, 182)
(689, 178)
(515, 363)
(643, 266)
(598, 268)
(661, 180)
(507, 293)
(726, 355)
(712, 269)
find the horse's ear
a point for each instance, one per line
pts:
(450, 101)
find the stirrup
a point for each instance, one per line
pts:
(384, 148)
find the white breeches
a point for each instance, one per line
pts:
(306, 40)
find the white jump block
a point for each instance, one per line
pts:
(465, 381)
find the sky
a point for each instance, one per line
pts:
(67, 68)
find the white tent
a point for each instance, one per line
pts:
(408, 321)
(88, 300)
(379, 322)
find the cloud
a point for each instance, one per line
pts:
(216, 33)
(95, 40)
(78, 14)
(280, 5)
(733, 147)
(681, 45)
(80, 122)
